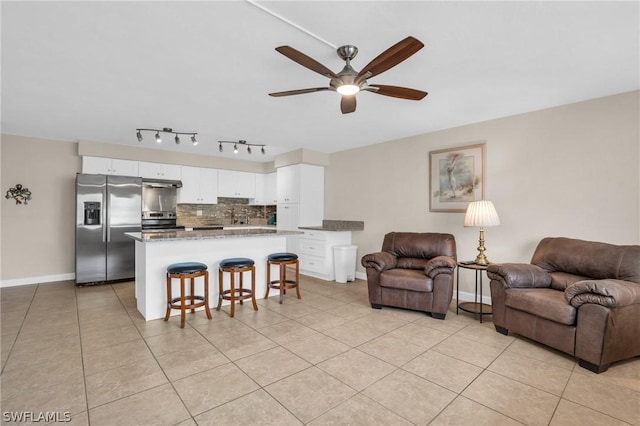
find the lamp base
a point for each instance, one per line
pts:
(481, 259)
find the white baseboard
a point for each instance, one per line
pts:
(361, 275)
(37, 280)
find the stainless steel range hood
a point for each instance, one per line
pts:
(161, 183)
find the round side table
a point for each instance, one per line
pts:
(475, 307)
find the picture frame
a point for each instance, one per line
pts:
(456, 177)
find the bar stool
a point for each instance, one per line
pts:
(282, 284)
(183, 271)
(238, 265)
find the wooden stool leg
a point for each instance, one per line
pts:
(268, 279)
(298, 279)
(283, 284)
(219, 289)
(182, 303)
(206, 294)
(193, 291)
(233, 295)
(168, 314)
(240, 287)
(253, 288)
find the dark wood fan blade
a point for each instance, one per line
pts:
(348, 104)
(299, 92)
(306, 61)
(397, 92)
(392, 56)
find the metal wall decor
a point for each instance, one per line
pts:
(19, 193)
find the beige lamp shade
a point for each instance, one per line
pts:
(481, 213)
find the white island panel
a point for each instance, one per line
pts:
(152, 259)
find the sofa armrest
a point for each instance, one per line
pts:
(519, 275)
(380, 261)
(608, 293)
(439, 265)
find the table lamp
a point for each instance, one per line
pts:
(481, 213)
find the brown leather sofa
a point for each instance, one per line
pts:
(580, 297)
(413, 271)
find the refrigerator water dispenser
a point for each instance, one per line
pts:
(91, 213)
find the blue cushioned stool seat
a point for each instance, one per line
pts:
(237, 262)
(282, 257)
(186, 268)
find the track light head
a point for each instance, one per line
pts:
(158, 138)
(177, 139)
(235, 148)
(249, 150)
(193, 140)
(220, 146)
(262, 150)
(139, 136)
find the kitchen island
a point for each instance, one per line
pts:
(157, 250)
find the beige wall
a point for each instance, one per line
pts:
(38, 239)
(567, 171)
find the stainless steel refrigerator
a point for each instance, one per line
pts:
(106, 208)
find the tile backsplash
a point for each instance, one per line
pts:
(228, 211)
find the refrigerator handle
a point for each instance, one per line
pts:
(108, 216)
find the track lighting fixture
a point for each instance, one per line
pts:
(242, 143)
(166, 130)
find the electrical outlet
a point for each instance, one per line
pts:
(198, 212)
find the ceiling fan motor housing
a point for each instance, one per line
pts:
(347, 52)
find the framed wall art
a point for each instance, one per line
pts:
(456, 177)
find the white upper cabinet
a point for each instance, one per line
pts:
(199, 186)
(266, 189)
(234, 184)
(109, 166)
(303, 185)
(271, 188)
(159, 171)
(288, 184)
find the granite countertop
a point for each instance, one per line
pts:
(213, 234)
(337, 225)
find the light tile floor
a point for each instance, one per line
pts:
(326, 359)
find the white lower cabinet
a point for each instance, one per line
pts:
(315, 251)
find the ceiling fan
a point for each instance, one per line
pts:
(348, 82)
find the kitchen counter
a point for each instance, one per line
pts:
(337, 225)
(208, 234)
(156, 251)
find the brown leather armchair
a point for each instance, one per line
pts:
(413, 271)
(580, 297)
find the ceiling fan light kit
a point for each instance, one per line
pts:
(158, 138)
(348, 82)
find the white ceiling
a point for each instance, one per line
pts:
(98, 70)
